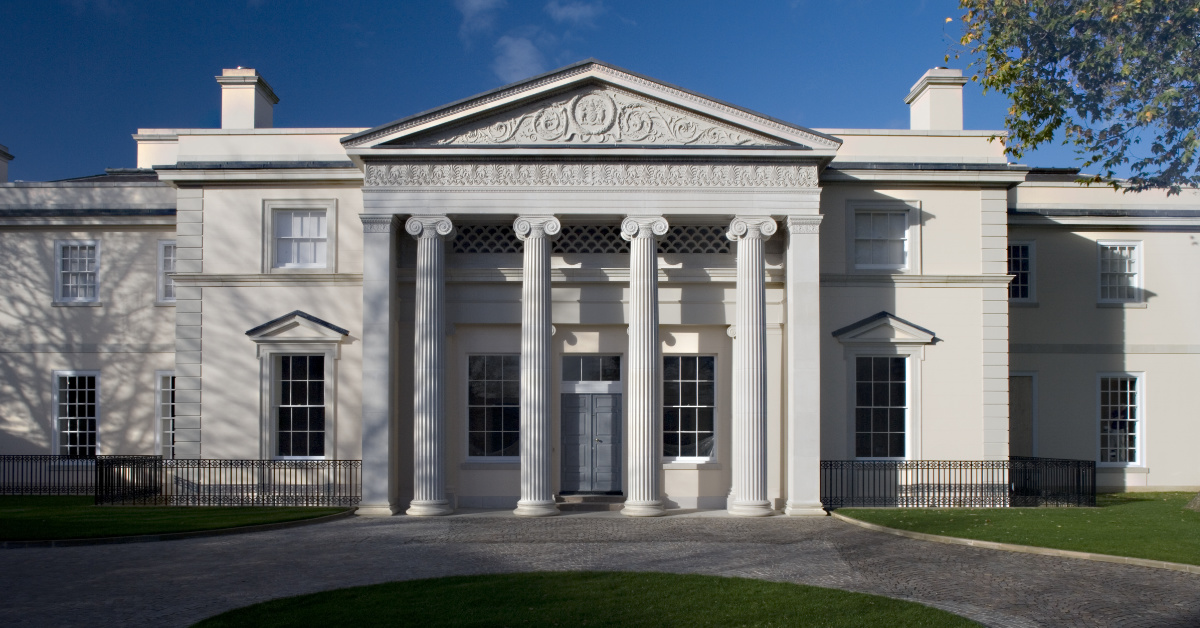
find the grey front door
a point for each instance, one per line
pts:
(591, 433)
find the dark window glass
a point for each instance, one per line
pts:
(689, 406)
(880, 406)
(494, 404)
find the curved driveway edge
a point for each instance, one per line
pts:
(176, 536)
(1024, 549)
(180, 583)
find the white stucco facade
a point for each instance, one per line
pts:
(594, 282)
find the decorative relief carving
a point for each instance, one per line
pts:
(598, 116)
(804, 224)
(378, 224)
(429, 226)
(744, 227)
(643, 227)
(595, 174)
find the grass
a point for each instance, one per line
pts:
(1139, 525)
(586, 599)
(52, 518)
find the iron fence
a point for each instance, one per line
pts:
(141, 480)
(958, 483)
(45, 474)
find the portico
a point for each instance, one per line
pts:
(544, 219)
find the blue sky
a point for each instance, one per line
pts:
(80, 76)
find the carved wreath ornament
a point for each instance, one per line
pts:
(591, 174)
(601, 117)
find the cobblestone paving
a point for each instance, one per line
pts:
(179, 582)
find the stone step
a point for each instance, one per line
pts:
(589, 503)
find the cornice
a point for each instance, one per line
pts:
(916, 281)
(590, 175)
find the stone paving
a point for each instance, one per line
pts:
(176, 583)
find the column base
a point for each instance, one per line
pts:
(535, 509)
(643, 509)
(751, 509)
(429, 508)
(804, 509)
(375, 510)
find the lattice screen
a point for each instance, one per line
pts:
(486, 239)
(695, 239)
(591, 239)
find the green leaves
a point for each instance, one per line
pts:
(1107, 73)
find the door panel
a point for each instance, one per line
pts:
(1020, 415)
(591, 438)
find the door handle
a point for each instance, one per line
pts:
(599, 441)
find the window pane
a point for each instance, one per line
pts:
(689, 412)
(493, 405)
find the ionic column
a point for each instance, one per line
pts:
(644, 367)
(749, 369)
(804, 366)
(536, 232)
(378, 403)
(429, 372)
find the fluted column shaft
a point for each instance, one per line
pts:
(537, 499)
(644, 367)
(429, 372)
(379, 473)
(804, 366)
(750, 369)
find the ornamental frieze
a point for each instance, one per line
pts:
(592, 175)
(598, 116)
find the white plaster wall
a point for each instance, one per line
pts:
(1066, 339)
(127, 337)
(231, 404)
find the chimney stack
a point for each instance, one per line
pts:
(935, 102)
(247, 102)
(5, 157)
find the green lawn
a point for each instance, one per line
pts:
(52, 518)
(586, 599)
(1140, 525)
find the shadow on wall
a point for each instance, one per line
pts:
(1070, 372)
(112, 338)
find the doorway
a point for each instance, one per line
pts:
(591, 425)
(1022, 414)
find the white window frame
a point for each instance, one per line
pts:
(161, 278)
(1140, 406)
(59, 299)
(54, 418)
(466, 405)
(913, 355)
(273, 206)
(715, 407)
(1138, 300)
(912, 236)
(159, 402)
(1032, 298)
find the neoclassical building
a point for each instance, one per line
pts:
(594, 283)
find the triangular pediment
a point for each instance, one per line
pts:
(297, 326)
(591, 104)
(884, 328)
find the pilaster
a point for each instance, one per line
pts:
(749, 369)
(379, 470)
(537, 499)
(189, 356)
(803, 366)
(429, 367)
(994, 212)
(644, 498)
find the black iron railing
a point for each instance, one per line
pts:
(958, 483)
(47, 475)
(132, 480)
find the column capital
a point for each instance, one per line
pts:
(429, 227)
(808, 223)
(379, 223)
(536, 226)
(747, 227)
(643, 227)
